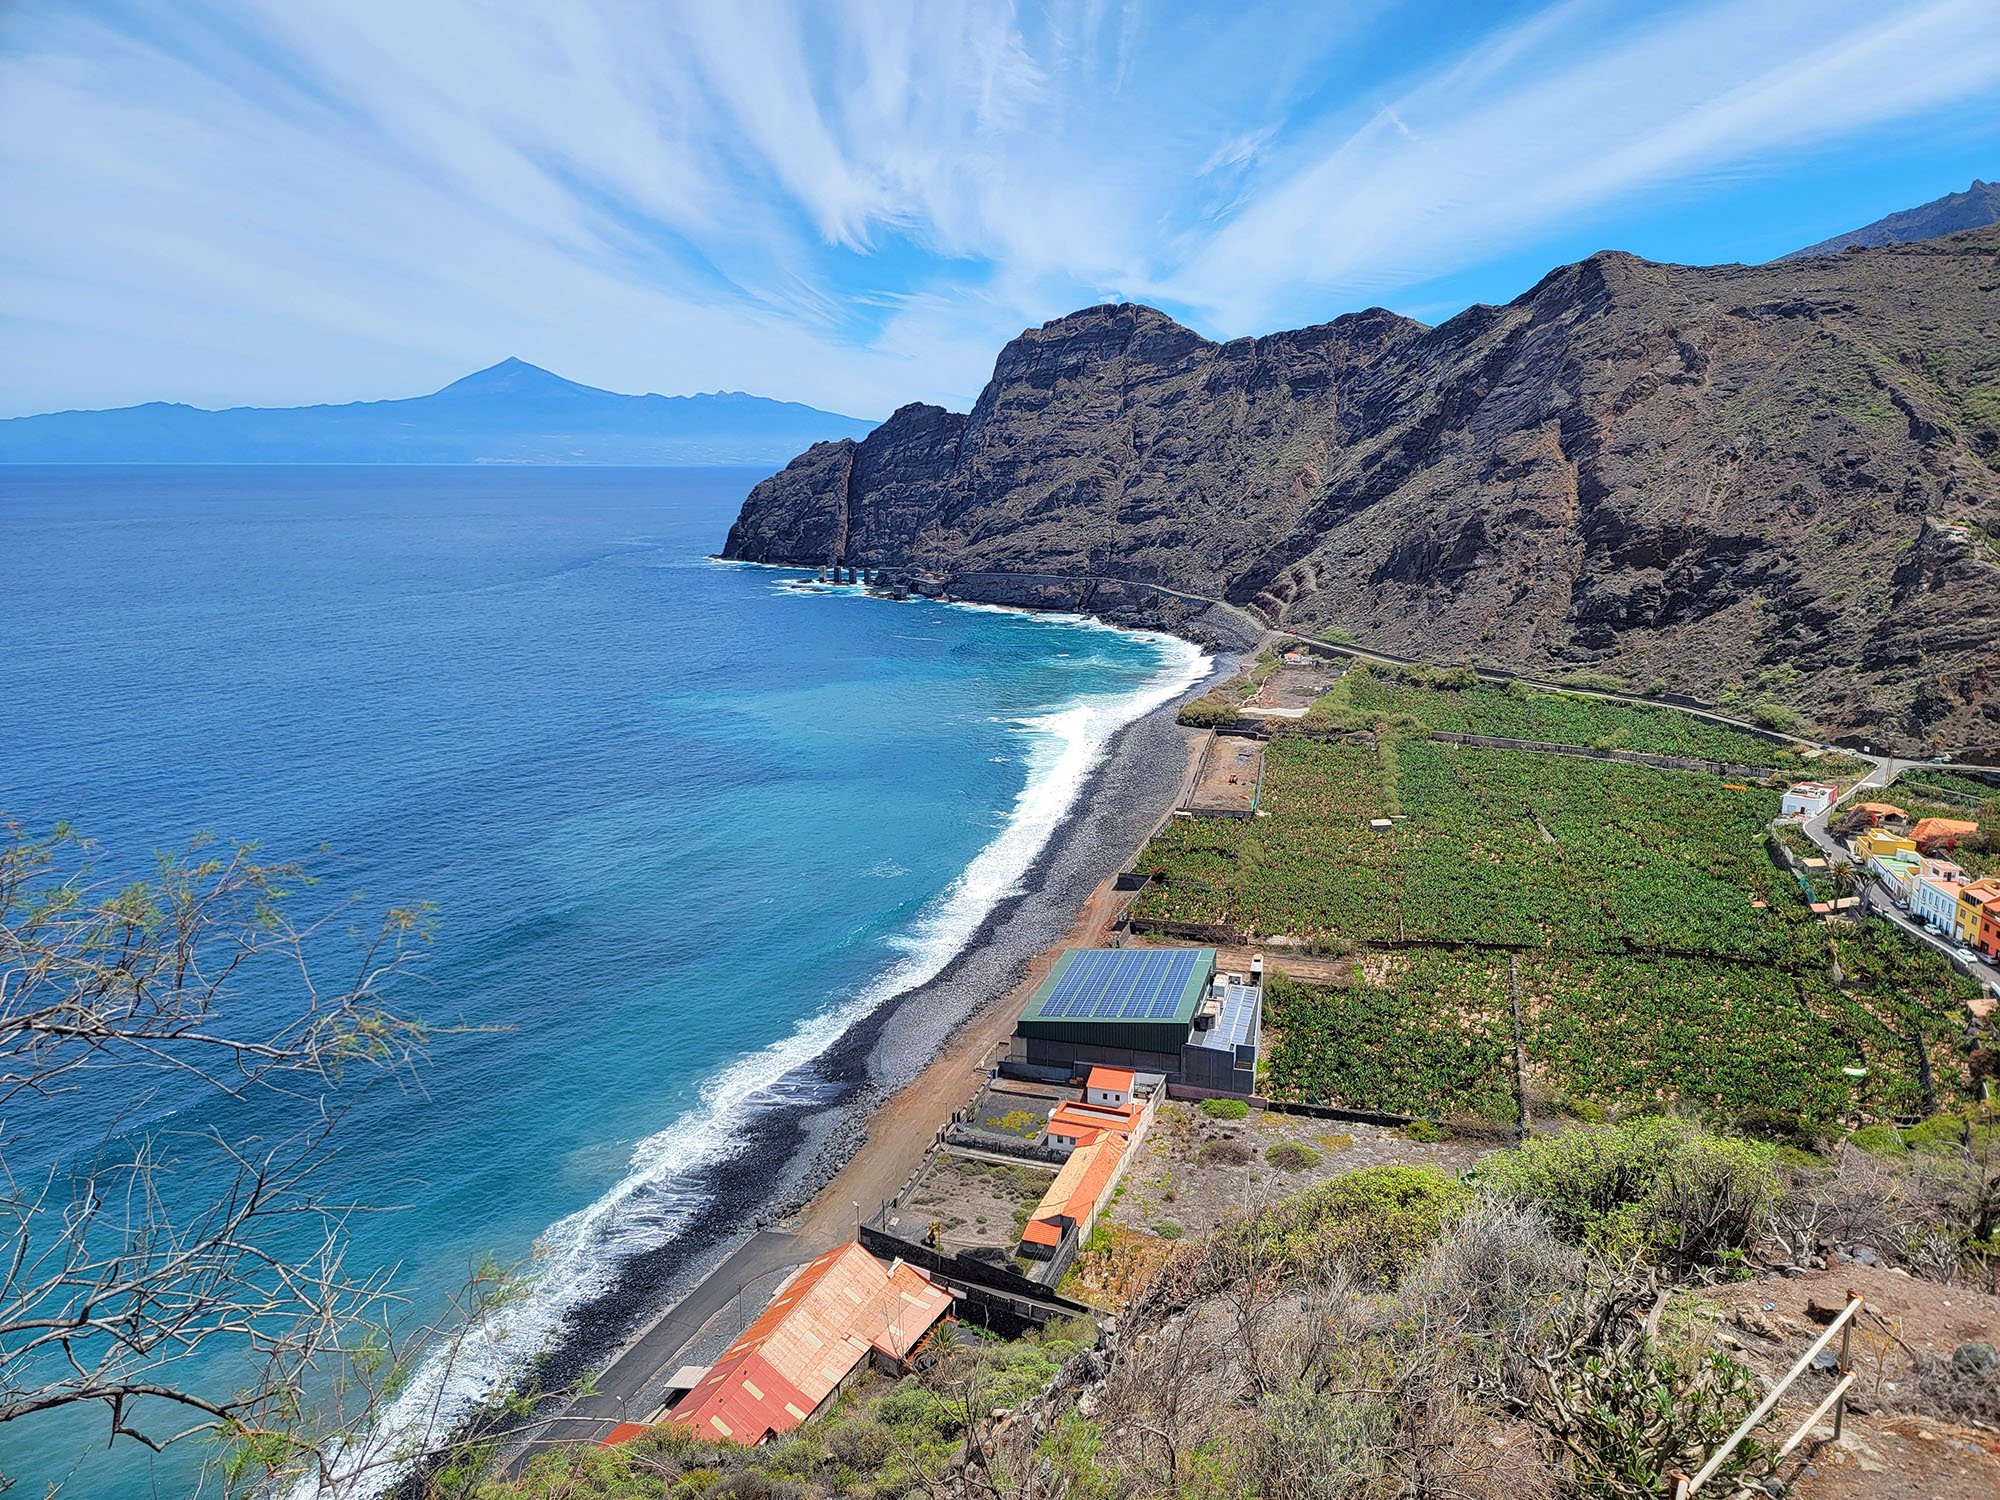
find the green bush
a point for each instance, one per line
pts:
(1168, 1229)
(1425, 1132)
(1207, 711)
(1878, 1140)
(1224, 1109)
(1377, 1220)
(1292, 1156)
(1657, 1187)
(1941, 1134)
(1635, 1416)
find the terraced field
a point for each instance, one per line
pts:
(1459, 702)
(1663, 960)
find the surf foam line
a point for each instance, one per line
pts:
(577, 1258)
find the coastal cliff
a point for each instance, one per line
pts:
(1776, 482)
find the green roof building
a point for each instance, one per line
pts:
(1122, 1007)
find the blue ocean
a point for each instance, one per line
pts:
(681, 821)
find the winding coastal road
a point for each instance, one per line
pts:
(1883, 771)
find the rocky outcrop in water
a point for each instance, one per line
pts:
(1748, 483)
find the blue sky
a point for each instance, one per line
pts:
(854, 204)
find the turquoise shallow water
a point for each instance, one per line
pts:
(681, 820)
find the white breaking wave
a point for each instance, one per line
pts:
(576, 1258)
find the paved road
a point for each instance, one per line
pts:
(630, 1387)
(1872, 897)
(1883, 771)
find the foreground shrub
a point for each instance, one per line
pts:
(1656, 1187)
(1631, 1416)
(1376, 1221)
(1292, 1156)
(1224, 1109)
(1207, 711)
(1878, 1140)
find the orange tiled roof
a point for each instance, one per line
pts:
(1078, 1186)
(1110, 1078)
(1072, 1118)
(742, 1399)
(816, 1330)
(1942, 828)
(1041, 1232)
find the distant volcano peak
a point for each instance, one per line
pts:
(514, 377)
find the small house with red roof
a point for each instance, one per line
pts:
(1073, 1200)
(1109, 1087)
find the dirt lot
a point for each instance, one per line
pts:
(1227, 781)
(1290, 691)
(1193, 1171)
(1009, 1106)
(975, 1202)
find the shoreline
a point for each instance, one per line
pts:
(850, 1125)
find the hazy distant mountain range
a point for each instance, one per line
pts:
(1975, 208)
(513, 412)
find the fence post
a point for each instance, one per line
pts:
(1840, 1407)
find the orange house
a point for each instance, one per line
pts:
(1938, 835)
(1072, 1201)
(1979, 916)
(1881, 812)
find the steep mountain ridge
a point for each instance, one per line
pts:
(1978, 205)
(1735, 481)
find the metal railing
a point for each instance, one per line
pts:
(1836, 1402)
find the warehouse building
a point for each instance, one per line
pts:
(1162, 1011)
(1129, 1008)
(1220, 1052)
(840, 1311)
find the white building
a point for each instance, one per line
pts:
(1934, 896)
(1108, 1088)
(1808, 799)
(1897, 872)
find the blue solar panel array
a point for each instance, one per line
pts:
(1133, 984)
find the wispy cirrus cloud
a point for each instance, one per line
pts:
(1563, 115)
(234, 200)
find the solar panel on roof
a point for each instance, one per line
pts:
(1123, 984)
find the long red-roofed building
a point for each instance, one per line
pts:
(824, 1322)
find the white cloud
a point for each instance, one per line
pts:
(851, 205)
(1559, 118)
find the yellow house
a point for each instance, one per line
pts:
(1871, 842)
(1972, 901)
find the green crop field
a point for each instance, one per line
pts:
(1459, 702)
(1507, 846)
(1432, 1033)
(1311, 867)
(1664, 960)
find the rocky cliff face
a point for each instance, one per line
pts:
(1778, 481)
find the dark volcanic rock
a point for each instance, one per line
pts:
(1771, 481)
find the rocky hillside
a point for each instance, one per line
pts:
(1776, 481)
(1977, 206)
